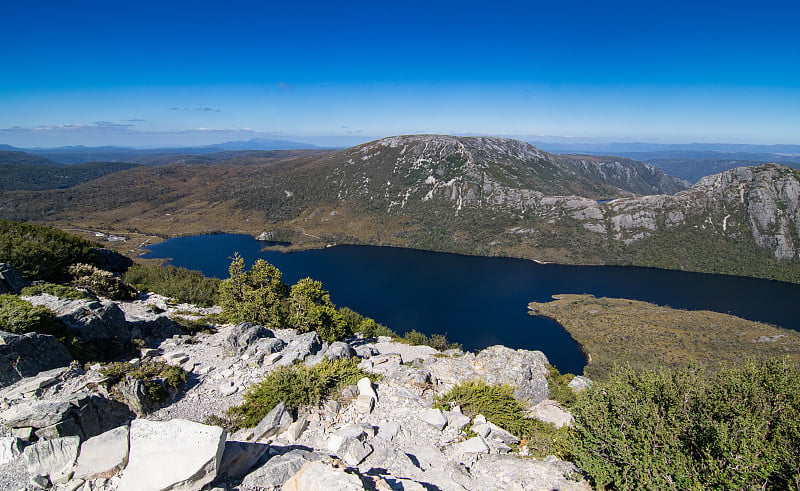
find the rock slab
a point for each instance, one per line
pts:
(104, 455)
(171, 455)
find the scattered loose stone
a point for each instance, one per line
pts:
(551, 412)
(434, 417)
(317, 476)
(580, 383)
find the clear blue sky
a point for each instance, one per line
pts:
(141, 73)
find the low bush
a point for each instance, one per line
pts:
(297, 386)
(20, 317)
(180, 284)
(437, 341)
(42, 253)
(736, 428)
(60, 291)
(100, 282)
(498, 405)
(156, 375)
(560, 390)
(496, 402)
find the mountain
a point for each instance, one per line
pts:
(159, 156)
(470, 195)
(16, 157)
(34, 178)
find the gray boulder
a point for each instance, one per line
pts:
(111, 260)
(240, 457)
(338, 350)
(580, 383)
(319, 476)
(53, 459)
(279, 469)
(81, 414)
(300, 347)
(263, 347)
(10, 279)
(509, 472)
(25, 355)
(9, 449)
(242, 335)
(90, 320)
(104, 455)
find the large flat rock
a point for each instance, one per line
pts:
(172, 455)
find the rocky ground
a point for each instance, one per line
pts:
(61, 428)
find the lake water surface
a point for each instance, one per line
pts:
(480, 301)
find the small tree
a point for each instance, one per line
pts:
(311, 309)
(254, 296)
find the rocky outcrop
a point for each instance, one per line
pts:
(387, 435)
(109, 260)
(90, 320)
(80, 414)
(10, 279)
(25, 355)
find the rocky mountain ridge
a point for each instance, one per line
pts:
(470, 195)
(62, 428)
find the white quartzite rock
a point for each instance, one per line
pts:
(434, 417)
(172, 455)
(103, 455)
(551, 412)
(9, 449)
(53, 458)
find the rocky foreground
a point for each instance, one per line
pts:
(62, 429)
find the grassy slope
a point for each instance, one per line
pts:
(645, 335)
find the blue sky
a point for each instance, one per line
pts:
(174, 73)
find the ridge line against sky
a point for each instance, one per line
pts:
(180, 73)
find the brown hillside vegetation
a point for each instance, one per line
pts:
(647, 336)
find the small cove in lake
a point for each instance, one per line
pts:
(482, 301)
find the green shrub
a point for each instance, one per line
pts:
(311, 309)
(496, 403)
(42, 253)
(60, 291)
(100, 282)
(559, 387)
(437, 341)
(20, 317)
(180, 284)
(738, 428)
(297, 386)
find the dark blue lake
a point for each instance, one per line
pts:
(480, 301)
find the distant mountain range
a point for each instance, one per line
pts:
(81, 154)
(471, 195)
